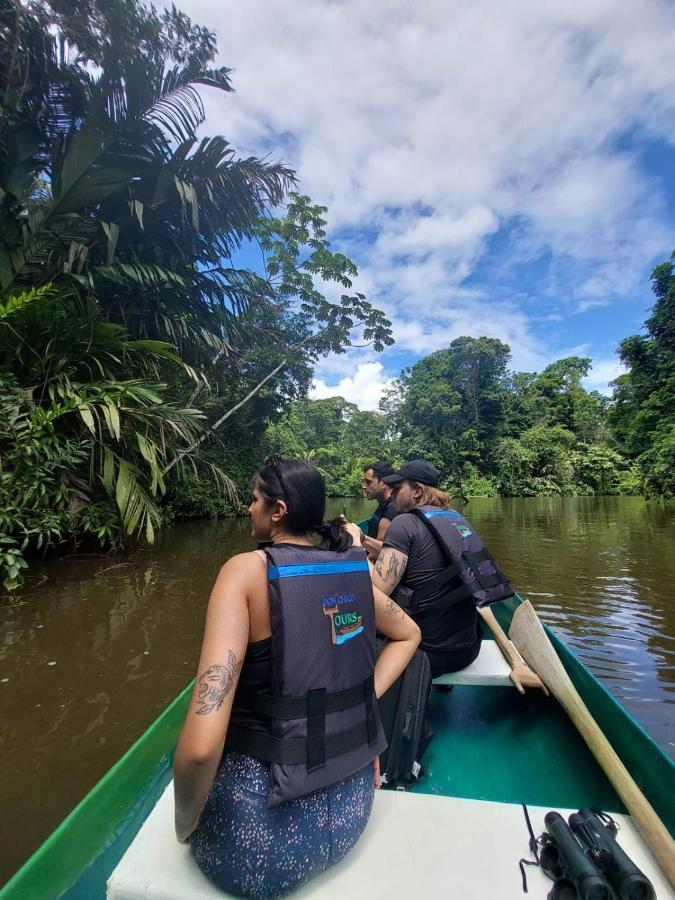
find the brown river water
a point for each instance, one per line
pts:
(95, 647)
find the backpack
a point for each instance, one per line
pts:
(403, 711)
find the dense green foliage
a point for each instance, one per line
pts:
(144, 374)
(643, 415)
(496, 432)
(126, 331)
(336, 436)
(489, 430)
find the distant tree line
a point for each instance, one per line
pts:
(493, 431)
(144, 374)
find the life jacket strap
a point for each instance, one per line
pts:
(467, 561)
(317, 747)
(316, 728)
(368, 697)
(287, 708)
(445, 576)
(294, 751)
(466, 589)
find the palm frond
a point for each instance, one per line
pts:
(139, 275)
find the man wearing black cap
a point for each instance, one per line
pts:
(434, 565)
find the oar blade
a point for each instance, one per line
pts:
(531, 641)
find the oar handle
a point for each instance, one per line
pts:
(527, 633)
(654, 831)
(521, 674)
(505, 645)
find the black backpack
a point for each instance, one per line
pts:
(403, 710)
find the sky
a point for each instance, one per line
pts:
(501, 169)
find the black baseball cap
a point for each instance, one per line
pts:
(418, 470)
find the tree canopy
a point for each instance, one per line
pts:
(488, 429)
(144, 373)
(128, 334)
(643, 414)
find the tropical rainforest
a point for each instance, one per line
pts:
(493, 431)
(145, 371)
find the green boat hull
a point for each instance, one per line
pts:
(489, 743)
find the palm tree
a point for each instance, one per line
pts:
(116, 227)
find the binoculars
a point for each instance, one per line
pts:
(585, 861)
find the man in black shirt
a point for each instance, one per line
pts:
(412, 557)
(375, 489)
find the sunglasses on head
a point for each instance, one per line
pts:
(273, 460)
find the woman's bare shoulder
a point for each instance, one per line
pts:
(244, 562)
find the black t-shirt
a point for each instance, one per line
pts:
(425, 558)
(444, 627)
(385, 510)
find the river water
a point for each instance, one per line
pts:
(95, 647)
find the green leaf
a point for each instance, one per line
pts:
(138, 211)
(115, 429)
(112, 233)
(123, 489)
(108, 470)
(87, 418)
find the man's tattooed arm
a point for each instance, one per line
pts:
(215, 684)
(389, 569)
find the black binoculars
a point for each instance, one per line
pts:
(585, 861)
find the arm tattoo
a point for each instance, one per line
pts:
(392, 609)
(215, 684)
(395, 566)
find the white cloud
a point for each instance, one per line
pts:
(435, 327)
(603, 372)
(428, 127)
(364, 387)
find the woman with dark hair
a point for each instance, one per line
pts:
(277, 761)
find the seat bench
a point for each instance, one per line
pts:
(414, 845)
(489, 668)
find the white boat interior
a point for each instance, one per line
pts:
(414, 845)
(489, 669)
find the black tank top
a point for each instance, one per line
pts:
(256, 675)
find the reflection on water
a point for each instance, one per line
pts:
(92, 654)
(599, 571)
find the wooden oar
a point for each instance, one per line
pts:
(528, 634)
(521, 674)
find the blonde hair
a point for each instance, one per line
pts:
(432, 496)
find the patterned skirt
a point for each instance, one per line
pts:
(250, 850)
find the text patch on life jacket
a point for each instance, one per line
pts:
(324, 721)
(472, 572)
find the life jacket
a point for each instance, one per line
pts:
(472, 575)
(322, 709)
(374, 521)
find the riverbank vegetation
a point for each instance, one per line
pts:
(493, 431)
(128, 333)
(147, 365)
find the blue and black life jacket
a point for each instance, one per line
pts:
(472, 575)
(374, 521)
(322, 710)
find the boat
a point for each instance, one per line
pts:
(493, 750)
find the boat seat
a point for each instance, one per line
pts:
(414, 844)
(489, 668)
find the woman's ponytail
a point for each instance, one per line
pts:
(333, 536)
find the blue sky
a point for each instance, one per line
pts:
(501, 169)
